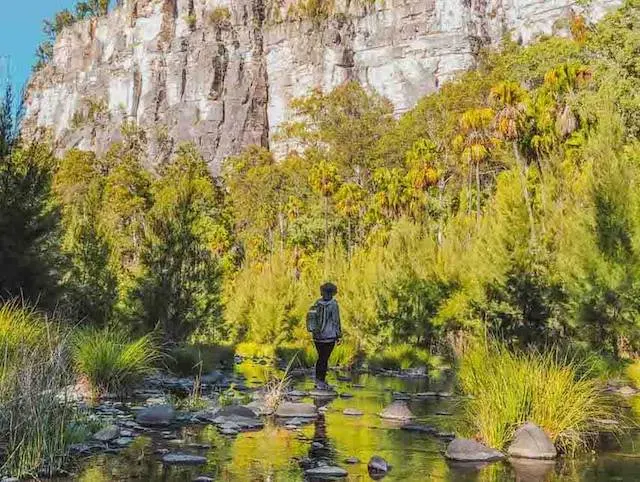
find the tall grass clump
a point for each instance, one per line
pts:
(344, 355)
(509, 388)
(194, 360)
(304, 354)
(34, 412)
(110, 362)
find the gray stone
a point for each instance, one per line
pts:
(352, 412)
(352, 460)
(467, 450)
(107, 433)
(123, 441)
(202, 478)
(235, 411)
(530, 442)
(298, 410)
(183, 459)
(398, 410)
(378, 465)
(326, 471)
(420, 427)
(156, 416)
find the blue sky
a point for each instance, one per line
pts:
(20, 34)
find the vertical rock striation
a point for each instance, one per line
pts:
(221, 73)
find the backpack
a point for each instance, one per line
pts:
(314, 319)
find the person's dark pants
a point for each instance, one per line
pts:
(324, 352)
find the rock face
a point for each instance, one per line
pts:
(531, 442)
(221, 73)
(466, 450)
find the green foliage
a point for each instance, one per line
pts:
(632, 372)
(29, 241)
(403, 357)
(21, 328)
(191, 360)
(510, 388)
(111, 363)
(299, 355)
(220, 17)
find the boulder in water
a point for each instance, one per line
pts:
(530, 442)
(398, 410)
(467, 450)
(156, 415)
(299, 410)
(377, 465)
(354, 412)
(107, 434)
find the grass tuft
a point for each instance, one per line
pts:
(109, 362)
(403, 357)
(509, 388)
(632, 372)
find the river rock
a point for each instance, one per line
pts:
(156, 416)
(467, 450)
(532, 470)
(107, 433)
(213, 378)
(235, 411)
(378, 465)
(326, 471)
(352, 460)
(352, 412)
(398, 410)
(530, 442)
(123, 441)
(294, 409)
(323, 393)
(183, 459)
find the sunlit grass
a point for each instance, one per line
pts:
(509, 388)
(632, 372)
(403, 357)
(110, 362)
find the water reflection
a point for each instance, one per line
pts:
(280, 454)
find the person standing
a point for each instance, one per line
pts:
(323, 322)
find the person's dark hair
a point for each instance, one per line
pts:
(329, 288)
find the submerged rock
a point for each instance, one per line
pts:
(235, 410)
(157, 415)
(294, 409)
(354, 412)
(352, 460)
(377, 465)
(530, 442)
(183, 459)
(467, 450)
(107, 433)
(398, 410)
(326, 471)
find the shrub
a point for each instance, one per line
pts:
(510, 388)
(20, 327)
(191, 360)
(633, 373)
(220, 17)
(255, 350)
(344, 355)
(305, 354)
(110, 362)
(402, 357)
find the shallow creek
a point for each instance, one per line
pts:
(274, 453)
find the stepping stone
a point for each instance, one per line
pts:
(352, 460)
(426, 395)
(299, 410)
(183, 459)
(323, 394)
(531, 442)
(107, 434)
(297, 394)
(122, 441)
(326, 471)
(157, 415)
(352, 412)
(467, 450)
(346, 395)
(398, 410)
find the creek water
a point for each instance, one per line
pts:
(274, 453)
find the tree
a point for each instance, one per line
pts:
(324, 180)
(92, 8)
(509, 123)
(180, 288)
(29, 242)
(350, 203)
(475, 143)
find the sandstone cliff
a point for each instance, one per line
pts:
(221, 73)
